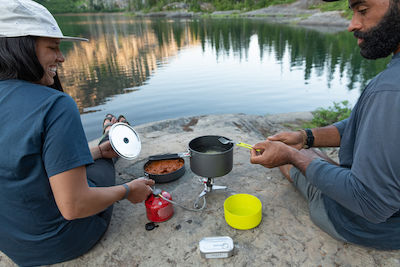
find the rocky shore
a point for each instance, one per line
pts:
(285, 237)
(297, 13)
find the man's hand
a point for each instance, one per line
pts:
(139, 189)
(293, 139)
(271, 154)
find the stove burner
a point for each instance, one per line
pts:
(208, 187)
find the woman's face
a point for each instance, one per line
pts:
(49, 55)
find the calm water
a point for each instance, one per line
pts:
(155, 69)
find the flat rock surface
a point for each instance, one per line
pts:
(285, 236)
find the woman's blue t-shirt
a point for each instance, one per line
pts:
(41, 136)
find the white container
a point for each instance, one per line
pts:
(216, 247)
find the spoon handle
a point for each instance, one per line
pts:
(246, 146)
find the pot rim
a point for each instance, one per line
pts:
(166, 177)
(211, 136)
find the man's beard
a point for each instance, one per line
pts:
(383, 39)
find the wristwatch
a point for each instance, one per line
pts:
(309, 138)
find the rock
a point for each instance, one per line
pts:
(207, 7)
(285, 237)
(225, 13)
(175, 5)
(331, 18)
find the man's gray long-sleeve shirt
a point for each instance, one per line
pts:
(362, 196)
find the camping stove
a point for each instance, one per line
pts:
(208, 187)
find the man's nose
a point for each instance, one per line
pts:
(355, 24)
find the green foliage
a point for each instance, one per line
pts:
(333, 6)
(75, 6)
(324, 117)
(61, 6)
(65, 6)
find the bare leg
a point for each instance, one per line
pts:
(285, 169)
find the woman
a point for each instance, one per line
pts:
(56, 194)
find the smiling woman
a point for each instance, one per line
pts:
(56, 194)
(49, 55)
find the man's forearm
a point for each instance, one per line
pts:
(326, 136)
(300, 160)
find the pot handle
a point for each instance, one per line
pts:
(169, 156)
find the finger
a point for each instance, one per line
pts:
(149, 191)
(256, 159)
(260, 145)
(273, 137)
(149, 182)
(253, 152)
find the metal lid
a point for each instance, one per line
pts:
(216, 244)
(124, 140)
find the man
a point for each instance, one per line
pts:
(357, 201)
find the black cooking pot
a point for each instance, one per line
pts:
(166, 177)
(209, 158)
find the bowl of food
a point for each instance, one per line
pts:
(243, 211)
(166, 170)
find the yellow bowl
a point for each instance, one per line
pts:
(242, 211)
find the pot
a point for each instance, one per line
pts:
(208, 157)
(165, 177)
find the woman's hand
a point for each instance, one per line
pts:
(293, 139)
(106, 150)
(140, 189)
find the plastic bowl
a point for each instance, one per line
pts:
(242, 211)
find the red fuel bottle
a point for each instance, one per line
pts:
(157, 208)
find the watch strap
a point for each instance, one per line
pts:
(310, 138)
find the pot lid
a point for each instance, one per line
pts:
(124, 140)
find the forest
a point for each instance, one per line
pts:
(64, 6)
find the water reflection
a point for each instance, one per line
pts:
(124, 52)
(121, 53)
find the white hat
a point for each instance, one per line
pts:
(26, 17)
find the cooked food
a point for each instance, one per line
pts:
(164, 166)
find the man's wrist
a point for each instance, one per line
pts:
(304, 136)
(308, 138)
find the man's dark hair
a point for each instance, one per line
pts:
(18, 60)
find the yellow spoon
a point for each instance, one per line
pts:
(226, 141)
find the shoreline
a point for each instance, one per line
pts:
(289, 119)
(294, 14)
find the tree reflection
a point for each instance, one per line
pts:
(124, 52)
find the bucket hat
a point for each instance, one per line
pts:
(28, 18)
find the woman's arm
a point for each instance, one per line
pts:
(75, 199)
(104, 150)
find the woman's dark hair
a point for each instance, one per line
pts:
(18, 60)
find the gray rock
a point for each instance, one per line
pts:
(332, 18)
(175, 5)
(285, 237)
(228, 12)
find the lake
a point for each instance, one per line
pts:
(156, 69)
